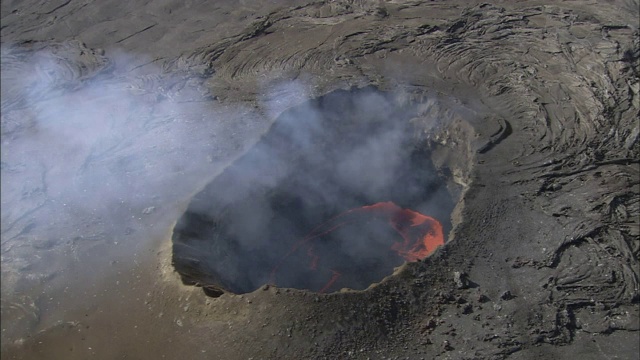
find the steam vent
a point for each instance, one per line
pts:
(336, 194)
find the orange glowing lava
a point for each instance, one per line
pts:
(419, 234)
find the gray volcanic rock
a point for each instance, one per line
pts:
(529, 109)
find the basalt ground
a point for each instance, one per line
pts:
(114, 115)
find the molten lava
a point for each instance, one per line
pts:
(419, 236)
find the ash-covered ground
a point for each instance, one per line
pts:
(115, 114)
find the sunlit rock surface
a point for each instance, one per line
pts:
(115, 114)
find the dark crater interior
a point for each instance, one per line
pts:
(345, 150)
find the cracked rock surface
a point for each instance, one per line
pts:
(114, 114)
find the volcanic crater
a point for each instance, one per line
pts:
(336, 194)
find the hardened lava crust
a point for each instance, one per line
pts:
(521, 116)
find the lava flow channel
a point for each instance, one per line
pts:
(419, 234)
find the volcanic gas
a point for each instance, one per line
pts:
(336, 194)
